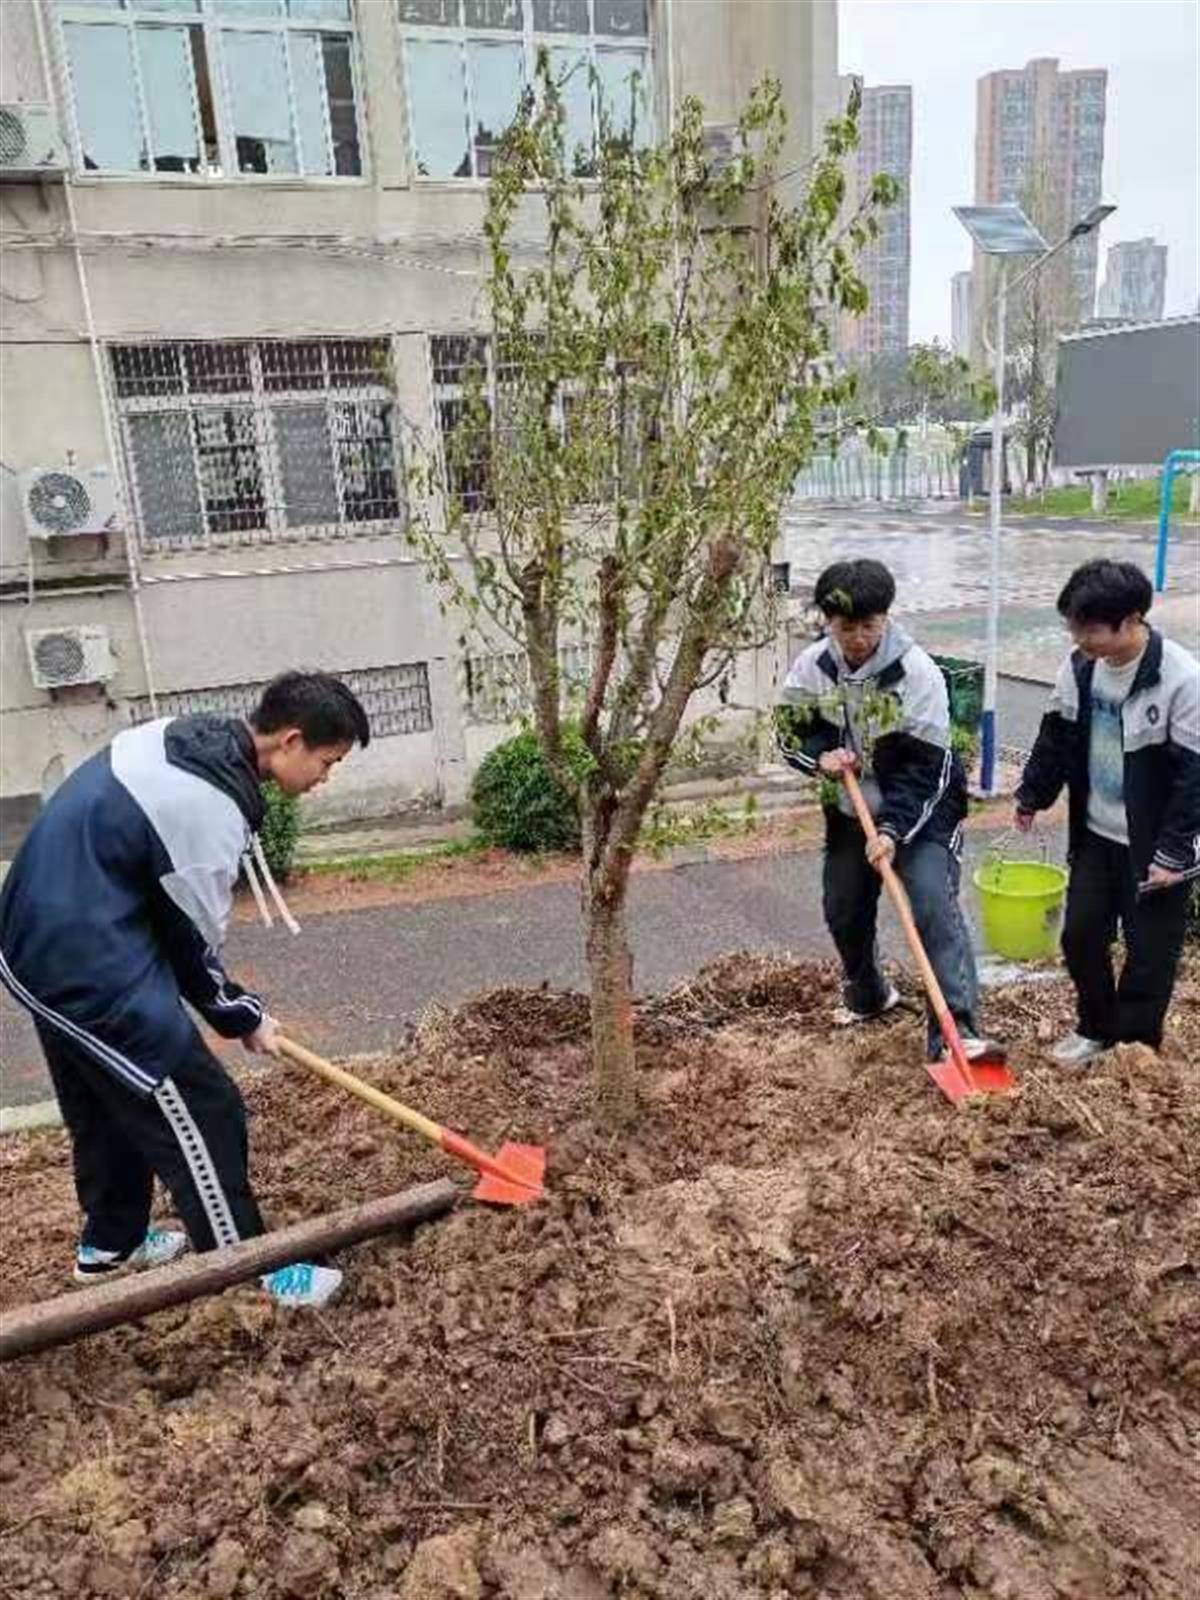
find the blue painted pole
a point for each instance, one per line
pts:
(1173, 463)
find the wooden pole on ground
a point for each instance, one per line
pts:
(73, 1316)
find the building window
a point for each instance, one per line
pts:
(396, 699)
(254, 441)
(496, 687)
(469, 61)
(465, 373)
(214, 87)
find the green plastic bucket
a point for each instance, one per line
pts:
(1022, 905)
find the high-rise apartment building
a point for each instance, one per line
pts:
(1135, 280)
(960, 314)
(1039, 141)
(885, 145)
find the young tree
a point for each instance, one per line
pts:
(649, 385)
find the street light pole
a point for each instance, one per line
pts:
(987, 775)
(1005, 230)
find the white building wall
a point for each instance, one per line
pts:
(385, 255)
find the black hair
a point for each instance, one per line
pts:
(1106, 591)
(321, 706)
(855, 589)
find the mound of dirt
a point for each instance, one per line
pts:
(808, 1332)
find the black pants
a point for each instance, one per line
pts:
(190, 1133)
(931, 874)
(1102, 895)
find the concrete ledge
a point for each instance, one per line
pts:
(25, 1119)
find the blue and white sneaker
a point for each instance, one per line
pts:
(302, 1284)
(158, 1247)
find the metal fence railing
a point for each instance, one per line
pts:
(861, 474)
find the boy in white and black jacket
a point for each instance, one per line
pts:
(112, 915)
(867, 698)
(1122, 734)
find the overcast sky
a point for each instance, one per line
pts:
(941, 47)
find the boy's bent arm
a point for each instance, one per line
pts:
(803, 733)
(918, 774)
(230, 1010)
(1047, 768)
(1178, 845)
(914, 762)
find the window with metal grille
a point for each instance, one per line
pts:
(213, 87)
(496, 687)
(466, 373)
(249, 442)
(396, 699)
(468, 62)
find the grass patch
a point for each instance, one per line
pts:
(1127, 502)
(394, 866)
(666, 829)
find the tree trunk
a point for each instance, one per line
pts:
(610, 964)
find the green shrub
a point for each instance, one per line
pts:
(280, 829)
(1193, 921)
(519, 804)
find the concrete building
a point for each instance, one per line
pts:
(885, 145)
(1135, 281)
(1039, 141)
(242, 269)
(960, 314)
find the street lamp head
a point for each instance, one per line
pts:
(1091, 220)
(1001, 230)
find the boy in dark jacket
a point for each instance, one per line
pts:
(866, 698)
(1122, 732)
(113, 914)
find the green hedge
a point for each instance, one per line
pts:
(519, 804)
(280, 829)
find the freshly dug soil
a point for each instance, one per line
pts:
(807, 1331)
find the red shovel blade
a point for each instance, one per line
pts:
(992, 1077)
(950, 1080)
(524, 1168)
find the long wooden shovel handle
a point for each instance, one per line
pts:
(895, 888)
(365, 1091)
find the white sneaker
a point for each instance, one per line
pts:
(973, 1049)
(158, 1247)
(1076, 1051)
(846, 1017)
(302, 1284)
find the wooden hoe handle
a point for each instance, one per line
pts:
(904, 911)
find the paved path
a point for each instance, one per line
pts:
(353, 980)
(941, 563)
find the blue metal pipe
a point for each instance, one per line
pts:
(1175, 462)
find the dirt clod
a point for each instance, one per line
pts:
(443, 1568)
(226, 1562)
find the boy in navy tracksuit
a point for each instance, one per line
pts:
(113, 914)
(867, 698)
(1122, 733)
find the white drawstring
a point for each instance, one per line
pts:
(256, 888)
(289, 920)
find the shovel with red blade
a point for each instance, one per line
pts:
(956, 1076)
(512, 1177)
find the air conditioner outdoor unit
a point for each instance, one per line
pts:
(60, 658)
(30, 144)
(61, 502)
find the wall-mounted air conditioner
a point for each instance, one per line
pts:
(61, 502)
(61, 658)
(31, 146)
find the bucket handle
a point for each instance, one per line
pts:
(1000, 846)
